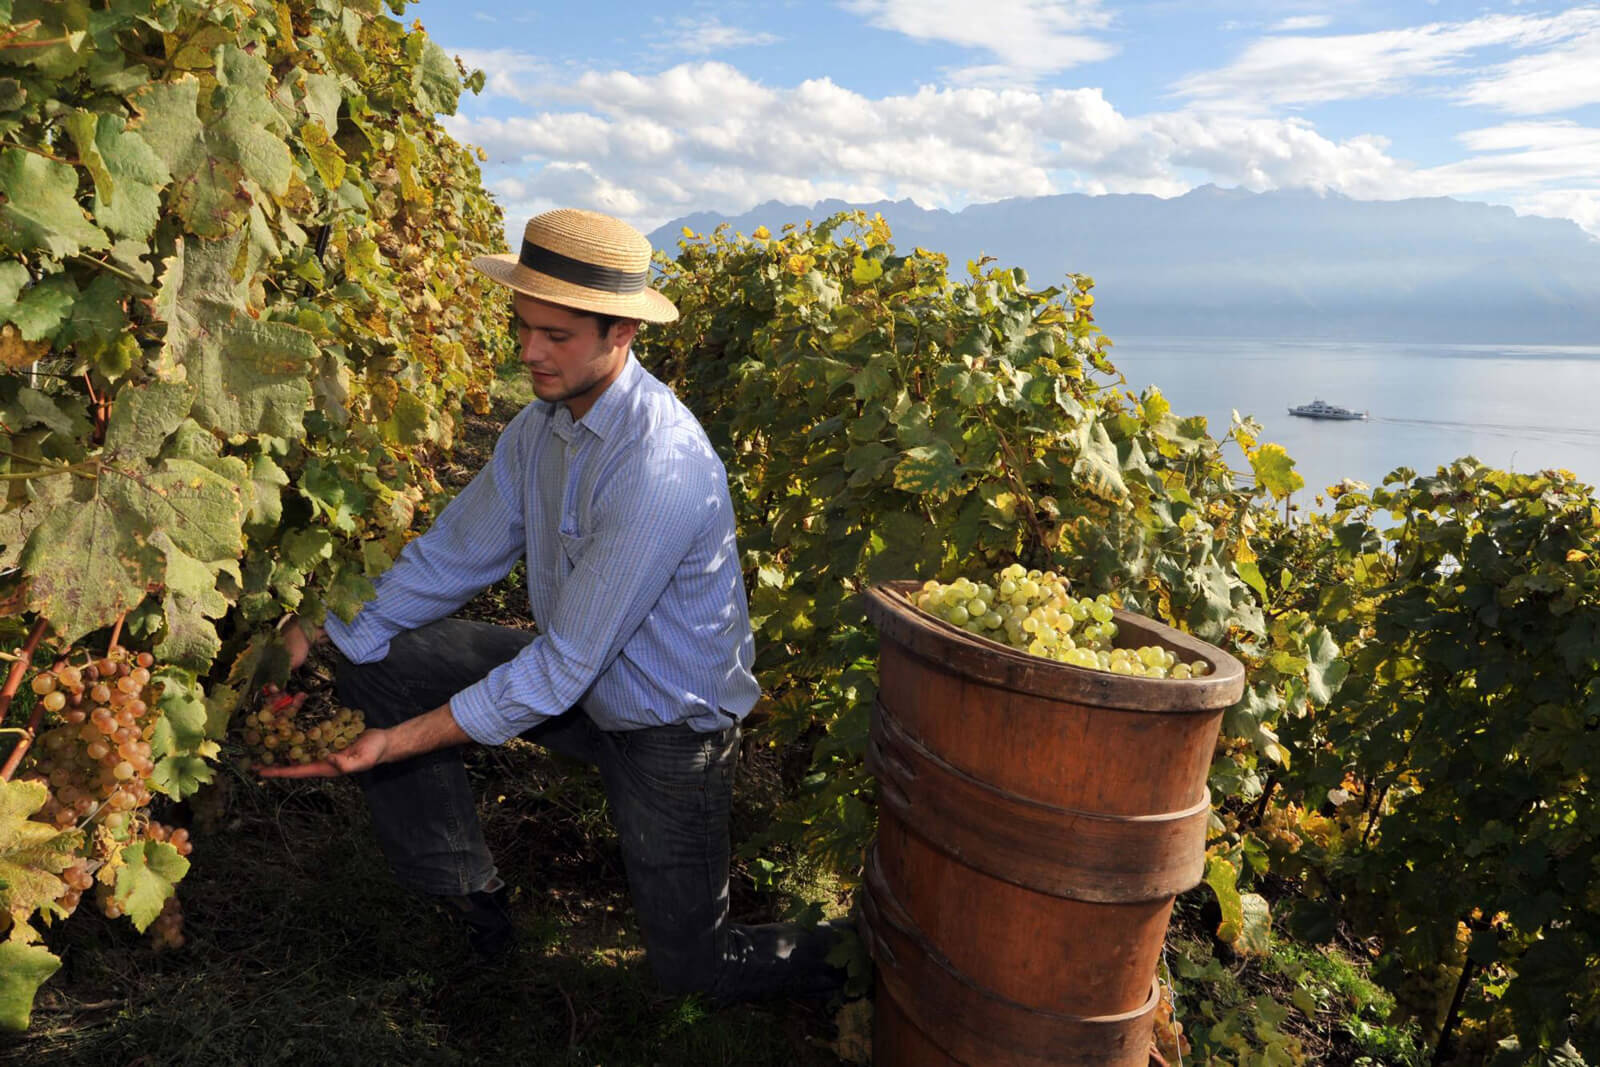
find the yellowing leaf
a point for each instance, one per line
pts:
(1275, 471)
(23, 969)
(149, 872)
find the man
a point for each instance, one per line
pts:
(609, 489)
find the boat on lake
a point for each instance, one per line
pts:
(1320, 409)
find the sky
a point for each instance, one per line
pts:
(651, 112)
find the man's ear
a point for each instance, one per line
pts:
(624, 331)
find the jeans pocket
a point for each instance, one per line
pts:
(675, 759)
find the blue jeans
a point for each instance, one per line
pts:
(668, 789)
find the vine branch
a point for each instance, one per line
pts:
(19, 667)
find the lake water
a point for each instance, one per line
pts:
(1522, 408)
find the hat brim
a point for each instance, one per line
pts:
(647, 304)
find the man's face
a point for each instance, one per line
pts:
(568, 358)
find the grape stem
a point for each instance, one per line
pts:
(116, 634)
(19, 667)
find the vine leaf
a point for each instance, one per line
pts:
(127, 198)
(23, 969)
(1246, 919)
(41, 311)
(200, 509)
(930, 468)
(88, 563)
(249, 376)
(142, 418)
(1325, 671)
(181, 742)
(16, 524)
(40, 210)
(1097, 465)
(1275, 471)
(31, 853)
(146, 878)
(191, 598)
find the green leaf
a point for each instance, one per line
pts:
(201, 510)
(18, 524)
(249, 376)
(347, 592)
(127, 199)
(436, 82)
(268, 479)
(1325, 672)
(40, 210)
(192, 597)
(411, 423)
(1251, 574)
(1154, 406)
(32, 853)
(88, 562)
(876, 378)
(23, 969)
(928, 469)
(145, 881)
(1255, 934)
(1098, 465)
(44, 308)
(215, 147)
(142, 417)
(182, 741)
(1275, 471)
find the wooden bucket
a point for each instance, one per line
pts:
(1035, 823)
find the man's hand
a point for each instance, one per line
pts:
(364, 753)
(436, 729)
(296, 640)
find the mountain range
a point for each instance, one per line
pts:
(1287, 265)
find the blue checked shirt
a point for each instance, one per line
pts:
(633, 572)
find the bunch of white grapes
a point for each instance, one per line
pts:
(283, 731)
(1036, 612)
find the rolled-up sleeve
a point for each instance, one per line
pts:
(647, 518)
(473, 544)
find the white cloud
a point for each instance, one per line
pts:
(1289, 71)
(693, 37)
(1301, 22)
(1557, 80)
(507, 72)
(650, 148)
(1580, 205)
(1028, 38)
(1521, 157)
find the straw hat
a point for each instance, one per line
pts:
(583, 260)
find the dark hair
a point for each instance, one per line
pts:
(603, 323)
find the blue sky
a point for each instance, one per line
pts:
(650, 114)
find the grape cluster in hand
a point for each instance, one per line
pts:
(282, 732)
(1036, 612)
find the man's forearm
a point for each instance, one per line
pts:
(425, 733)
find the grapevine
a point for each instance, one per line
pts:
(238, 321)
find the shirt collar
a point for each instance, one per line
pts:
(606, 413)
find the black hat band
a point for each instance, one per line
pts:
(577, 272)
